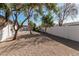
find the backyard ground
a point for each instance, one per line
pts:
(39, 44)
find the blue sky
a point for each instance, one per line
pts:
(21, 17)
(68, 20)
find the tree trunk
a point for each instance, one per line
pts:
(45, 29)
(30, 32)
(60, 22)
(29, 27)
(15, 35)
(7, 15)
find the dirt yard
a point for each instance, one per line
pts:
(35, 45)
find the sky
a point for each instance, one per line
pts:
(21, 17)
(69, 20)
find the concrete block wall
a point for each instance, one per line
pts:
(69, 32)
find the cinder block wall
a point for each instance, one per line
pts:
(69, 32)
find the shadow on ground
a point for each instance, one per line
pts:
(67, 42)
(17, 44)
(35, 39)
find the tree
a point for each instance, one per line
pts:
(29, 11)
(34, 9)
(38, 8)
(47, 21)
(65, 11)
(4, 7)
(16, 10)
(33, 26)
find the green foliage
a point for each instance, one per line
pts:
(3, 6)
(37, 29)
(33, 27)
(47, 21)
(52, 7)
(27, 8)
(31, 24)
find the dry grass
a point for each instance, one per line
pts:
(35, 45)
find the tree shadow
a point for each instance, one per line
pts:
(70, 43)
(17, 44)
(25, 36)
